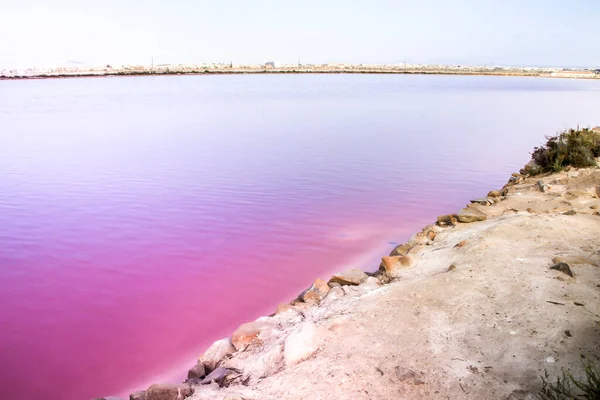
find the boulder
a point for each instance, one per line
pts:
(371, 283)
(216, 352)
(246, 334)
(482, 201)
(316, 292)
(494, 193)
(196, 372)
(401, 250)
(265, 363)
(218, 375)
(467, 215)
(139, 395)
(301, 344)
(531, 168)
(352, 276)
(168, 391)
(392, 265)
(447, 220)
(283, 307)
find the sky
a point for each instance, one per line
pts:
(475, 32)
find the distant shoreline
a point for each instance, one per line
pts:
(224, 71)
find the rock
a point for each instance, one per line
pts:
(392, 265)
(168, 391)
(371, 283)
(196, 372)
(468, 215)
(246, 334)
(352, 276)
(482, 201)
(283, 307)
(531, 168)
(266, 363)
(451, 268)
(218, 375)
(139, 395)
(334, 294)
(301, 344)
(594, 207)
(542, 186)
(316, 292)
(447, 220)
(461, 243)
(400, 250)
(562, 267)
(409, 376)
(570, 212)
(494, 193)
(431, 235)
(216, 352)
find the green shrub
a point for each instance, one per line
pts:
(575, 147)
(568, 387)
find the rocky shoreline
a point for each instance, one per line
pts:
(477, 305)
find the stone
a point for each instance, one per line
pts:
(371, 283)
(218, 375)
(334, 294)
(461, 243)
(570, 212)
(352, 276)
(494, 193)
(468, 215)
(301, 344)
(482, 201)
(451, 268)
(139, 395)
(168, 391)
(409, 376)
(216, 352)
(196, 372)
(562, 267)
(531, 168)
(283, 307)
(266, 363)
(542, 186)
(392, 265)
(246, 335)
(400, 250)
(431, 235)
(447, 220)
(316, 292)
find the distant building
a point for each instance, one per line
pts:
(597, 71)
(272, 64)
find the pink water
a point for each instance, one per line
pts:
(143, 218)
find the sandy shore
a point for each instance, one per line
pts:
(469, 308)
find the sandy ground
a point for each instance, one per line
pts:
(486, 329)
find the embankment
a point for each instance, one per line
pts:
(478, 305)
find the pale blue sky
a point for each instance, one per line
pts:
(508, 32)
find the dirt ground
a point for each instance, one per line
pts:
(488, 328)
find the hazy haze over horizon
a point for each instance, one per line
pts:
(539, 33)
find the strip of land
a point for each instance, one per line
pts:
(478, 305)
(272, 68)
